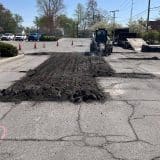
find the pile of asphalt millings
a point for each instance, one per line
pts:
(63, 77)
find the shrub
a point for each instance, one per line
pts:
(48, 38)
(7, 50)
(151, 37)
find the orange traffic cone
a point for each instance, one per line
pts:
(35, 45)
(44, 45)
(72, 43)
(57, 43)
(19, 47)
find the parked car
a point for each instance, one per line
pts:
(34, 37)
(20, 37)
(7, 37)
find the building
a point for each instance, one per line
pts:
(155, 25)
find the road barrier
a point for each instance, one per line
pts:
(57, 43)
(44, 45)
(19, 47)
(35, 45)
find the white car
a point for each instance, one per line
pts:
(7, 37)
(20, 37)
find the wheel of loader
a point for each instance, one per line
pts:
(106, 51)
(93, 46)
(111, 50)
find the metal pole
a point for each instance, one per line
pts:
(114, 22)
(131, 15)
(149, 9)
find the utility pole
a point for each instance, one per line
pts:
(114, 22)
(131, 15)
(149, 9)
(50, 18)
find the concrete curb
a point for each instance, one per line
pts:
(10, 59)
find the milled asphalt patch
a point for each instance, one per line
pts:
(144, 58)
(64, 76)
(134, 75)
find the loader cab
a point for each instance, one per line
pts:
(101, 36)
(101, 44)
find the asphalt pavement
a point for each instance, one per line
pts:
(126, 127)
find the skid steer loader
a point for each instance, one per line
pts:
(101, 44)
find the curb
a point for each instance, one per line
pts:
(11, 59)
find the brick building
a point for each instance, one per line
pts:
(155, 25)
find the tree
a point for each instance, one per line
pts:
(80, 16)
(37, 22)
(9, 22)
(1, 29)
(138, 26)
(103, 15)
(50, 9)
(29, 30)
(18, 19)
(94, 14)
(106, 25)
(91, 12)
(68, 24)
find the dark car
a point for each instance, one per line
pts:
(34, 37)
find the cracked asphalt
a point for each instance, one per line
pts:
(127, 127)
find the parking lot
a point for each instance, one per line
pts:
(64, 45)
(126, 126)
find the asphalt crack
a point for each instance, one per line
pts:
(113, 156)
(79, 120)
(13, 107)
(130, 118)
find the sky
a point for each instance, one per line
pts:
(28, 8)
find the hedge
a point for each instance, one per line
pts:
(48, 38)
(7, 50)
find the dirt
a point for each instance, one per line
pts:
(64, 76)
